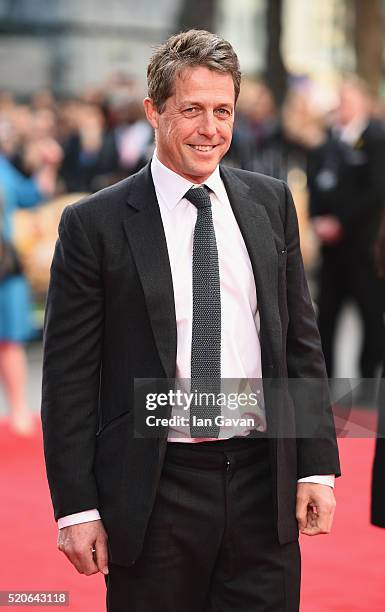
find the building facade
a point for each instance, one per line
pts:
(68, 45)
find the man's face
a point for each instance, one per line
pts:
(194, 130)
(354, 104)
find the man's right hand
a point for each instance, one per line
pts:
(85, 545)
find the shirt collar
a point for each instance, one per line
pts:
(171, 187)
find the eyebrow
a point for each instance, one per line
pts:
(219, 105)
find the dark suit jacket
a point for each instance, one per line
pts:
(110, 318)
(358, 194)
(378, 471)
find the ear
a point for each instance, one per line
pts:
(151, 112)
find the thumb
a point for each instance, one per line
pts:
(101, 555)
(301, 512)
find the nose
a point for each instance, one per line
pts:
(207, 125)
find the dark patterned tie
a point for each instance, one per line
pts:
(206, 324)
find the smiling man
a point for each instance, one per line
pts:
(184, 270)
(194, 125)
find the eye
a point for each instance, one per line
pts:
(223, 112)
(190, 110)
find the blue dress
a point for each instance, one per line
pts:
(16, 191)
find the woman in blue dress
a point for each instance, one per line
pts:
(17, 191)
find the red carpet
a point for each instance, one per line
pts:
(342, 572)
(29, 559)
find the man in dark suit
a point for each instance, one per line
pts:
(185, 270)
(347, 193)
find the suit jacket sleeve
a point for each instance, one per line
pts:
(73, 333)
(316, 445)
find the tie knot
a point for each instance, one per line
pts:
(199, 196)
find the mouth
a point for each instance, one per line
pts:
(203, 148)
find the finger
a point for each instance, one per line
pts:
(331, 519)
(319, 521)
(326, 514)
(311, 525)
(301, 512)
(83, 560)
(101, 555)
(312, 528)
(311, 531)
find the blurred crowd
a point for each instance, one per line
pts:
(103, 134)
(335, 140)
(327, 141)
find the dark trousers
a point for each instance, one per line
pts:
(211, 544)
(378, 474)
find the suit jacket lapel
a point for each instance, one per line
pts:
(257, 232)
(145, 233)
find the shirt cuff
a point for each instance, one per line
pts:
(325, 480)
(78, 517)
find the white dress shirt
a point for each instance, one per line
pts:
(240, 345)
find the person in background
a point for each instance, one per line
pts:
(108, 141)
(127, 145)
(346, 180)
(378, 475)
(274, 141)
(257, 143)
(302, 124)
(82, 148)
(15, 324)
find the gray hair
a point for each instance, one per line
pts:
(189, 50)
